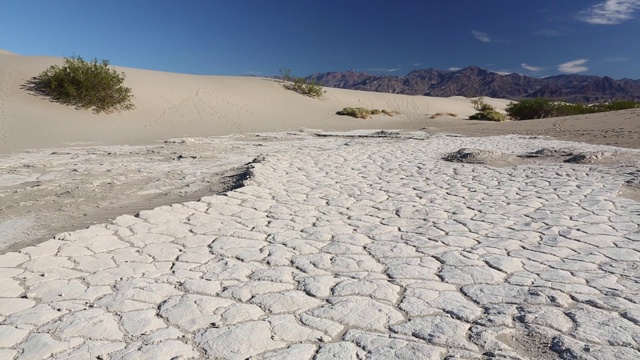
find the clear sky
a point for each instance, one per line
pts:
(259, 37)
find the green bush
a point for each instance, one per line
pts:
(363, 113)
(490, 115)
(539, 108)
(305, 87)
(85, 85)
(359, 112)
(485, 111)
(481, 106)
(618, 105)
(568, 109)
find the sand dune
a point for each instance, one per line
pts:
(174, 105)
(171, 105)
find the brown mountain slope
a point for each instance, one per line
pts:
(475, 81)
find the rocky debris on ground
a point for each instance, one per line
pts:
(541, 156)
(479, 156)
(549, 153)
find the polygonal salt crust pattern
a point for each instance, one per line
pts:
(376, 249)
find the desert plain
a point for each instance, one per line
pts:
(228, 217)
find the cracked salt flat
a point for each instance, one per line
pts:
(350, 248)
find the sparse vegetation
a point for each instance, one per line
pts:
(84, 85)
(480, 105)
(442, 114)
(539, 108)
(301, 85)
(358, 112)
(363, 113)
(485, 111)
(619, 105)
(305, 87)
(285, 74)
(490, 115)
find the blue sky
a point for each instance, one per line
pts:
(259, 37)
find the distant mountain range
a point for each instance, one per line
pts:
(474, 81)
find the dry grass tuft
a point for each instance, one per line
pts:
(442, 114)
(363, 113)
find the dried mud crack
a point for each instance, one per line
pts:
(337, 246)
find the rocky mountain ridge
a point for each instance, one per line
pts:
(475, 81)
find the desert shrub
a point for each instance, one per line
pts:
(358, 112)
(363, 113)
(569, 109)
(480, 105)
(490, 115)
(485, 111)
(305, 87)
(618, 105)
(434, 116)
(285, 74)
(85, 85)
(537, 108)
(543, 108)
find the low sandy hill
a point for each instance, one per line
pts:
(175, 105)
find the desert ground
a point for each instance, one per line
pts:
(228, 217)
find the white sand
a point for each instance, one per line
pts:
(173, 105)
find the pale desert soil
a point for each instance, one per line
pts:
(46, 192)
